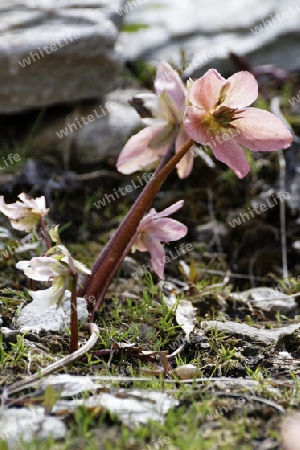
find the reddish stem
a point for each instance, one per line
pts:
(45, 233)
(109, 259)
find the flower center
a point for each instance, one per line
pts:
(225, 115)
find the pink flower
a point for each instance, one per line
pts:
(24, 215)
(163, 113)
(155, 228)
(218, 115)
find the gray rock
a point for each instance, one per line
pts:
(266, 337)
(24, 424)
(268, 300)
(102, 138)
(266, 32)
(57, 51)
(53, 319)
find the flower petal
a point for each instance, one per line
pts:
(185, 165)
(37, 205)
(243, 90)
(230, 153)
(166, 230)
(13, 211)
(260, 130)
(195, 126)
(205, 92)
(157, 253)
(168, 80)
(43, 299)
(136, 154)
(168, 211)
(42, 268)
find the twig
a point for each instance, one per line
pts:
(275, 108)
(24, 384)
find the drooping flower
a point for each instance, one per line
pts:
(56, 267)
(218, 115)
(163, 114)
(24, 215)
(155, 228)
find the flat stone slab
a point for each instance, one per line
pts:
(266, 337)
(54, 52)
(266, 32)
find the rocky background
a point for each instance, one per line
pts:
(61, 60)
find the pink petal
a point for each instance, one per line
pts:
(166, 230)
(169, 110)
(168, 211)
(162, 138)
(205, 91)
(195, 126)
(243, 90)
(136, 154)
(157, 253)
(139, 241)
(230, 153)
(184, 167)
(167, 79)
(260, 130)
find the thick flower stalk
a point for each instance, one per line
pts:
(163, 114)
(155, 228)
(218, 115)
(214, 113)
(25, 215)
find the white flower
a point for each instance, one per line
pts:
(57, 269)
(27, 215)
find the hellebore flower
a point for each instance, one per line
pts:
(27, 215)
(163, 113)
(155, 228)
(57, 269)
(218, 115)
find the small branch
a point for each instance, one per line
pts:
(69, 359)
